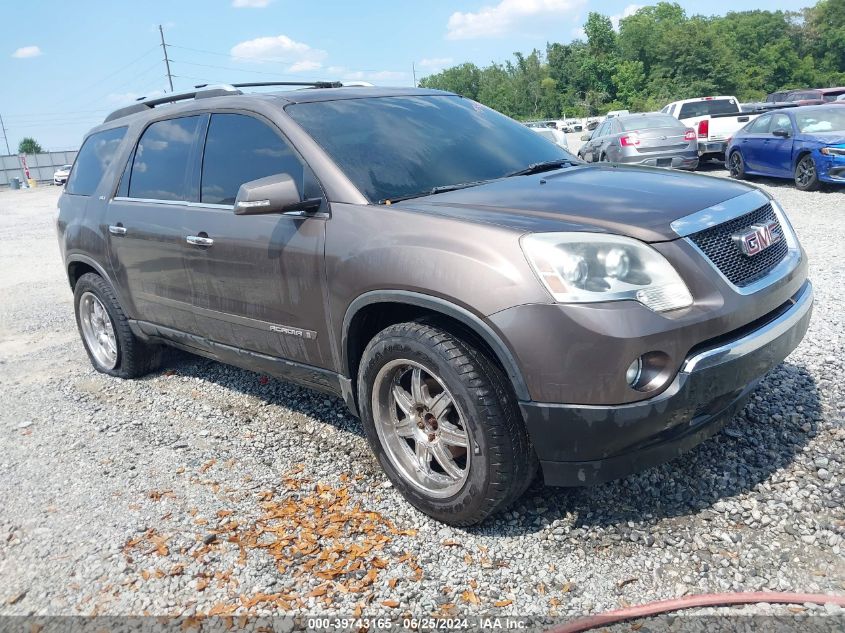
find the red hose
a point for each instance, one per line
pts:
(702, 600)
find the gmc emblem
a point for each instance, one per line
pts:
(758, 237)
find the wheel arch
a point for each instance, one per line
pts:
(373, 311)
(78, 265)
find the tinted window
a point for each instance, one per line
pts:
(239, 149)
(760, 125)
(629, 124)
(803, 96)
(163, 160)
(94, 157)
(397, 146)
(711, 106)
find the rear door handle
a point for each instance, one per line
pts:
(116, 229)
(197, 240)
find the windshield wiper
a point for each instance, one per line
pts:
(434, 191)
(546, 165)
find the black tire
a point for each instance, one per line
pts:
(806, 175)
(736, 165)
(603, 158)
(134, 357)
(503, 462)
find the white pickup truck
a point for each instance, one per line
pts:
(714, 119)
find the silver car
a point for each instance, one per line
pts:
(653, 139)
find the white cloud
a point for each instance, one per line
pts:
(435, 63)
(491, 21)
(628, 11)
(579, 33)
(27, 51)
(250, 4)
(280, 48)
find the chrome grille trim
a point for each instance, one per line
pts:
(719, 213)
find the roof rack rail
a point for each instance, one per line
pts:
(201, 92)
(310, 84)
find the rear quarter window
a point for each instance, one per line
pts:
(95, 155)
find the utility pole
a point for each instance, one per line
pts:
(166, 60)
(414, 71)
(5, 136)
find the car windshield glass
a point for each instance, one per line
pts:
(711, 106)
(394, 147)
(649, 122)
(823, 120)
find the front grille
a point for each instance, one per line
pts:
(741, 270)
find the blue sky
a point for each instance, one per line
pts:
(64, 66)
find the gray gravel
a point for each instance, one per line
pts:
(152, 496)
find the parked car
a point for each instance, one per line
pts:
(714, 119)
(615, 113)
(575, 124)
(806, 144)
(815, 96)
(61, 174)
(592, 123)
(653, 139)
(482, 299)
(776, 97)
(555, 136)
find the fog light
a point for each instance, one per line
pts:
(635, 370)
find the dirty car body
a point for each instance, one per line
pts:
(624, 308)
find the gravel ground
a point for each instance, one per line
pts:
(208, 489)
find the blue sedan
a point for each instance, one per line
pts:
(806, 144)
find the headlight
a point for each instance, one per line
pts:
(591, 267)
(833, 151)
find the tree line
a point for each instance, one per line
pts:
(660, 54)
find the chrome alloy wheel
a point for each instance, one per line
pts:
(98, 331)
(421, 428)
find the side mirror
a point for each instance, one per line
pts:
(781, 133)
(273, 194)
(586, 137)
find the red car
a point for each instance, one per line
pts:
(814, 96)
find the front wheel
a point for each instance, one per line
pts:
(736, 166)
(806, 176)
(441, 418)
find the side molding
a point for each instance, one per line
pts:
(436, 304)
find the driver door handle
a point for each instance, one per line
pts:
(197, 240)
(116, 229)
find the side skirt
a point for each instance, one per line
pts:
(309, 376)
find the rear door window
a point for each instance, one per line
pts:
(238, 149)
(94, 157)
(163, 160)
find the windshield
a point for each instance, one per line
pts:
(708, 107)
(392, 147)
(629, 124)
(821, 120)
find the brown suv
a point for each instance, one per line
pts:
(482, 299)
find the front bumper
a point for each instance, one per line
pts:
(586, 444)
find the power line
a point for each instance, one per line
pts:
(166, 60)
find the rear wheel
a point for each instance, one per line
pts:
(442, 420)
(736, 165)
(105, 332)
(806, 176)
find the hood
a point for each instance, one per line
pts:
(825, 138)
(640, 202)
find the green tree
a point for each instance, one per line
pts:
(463, 80)
(29, 146)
